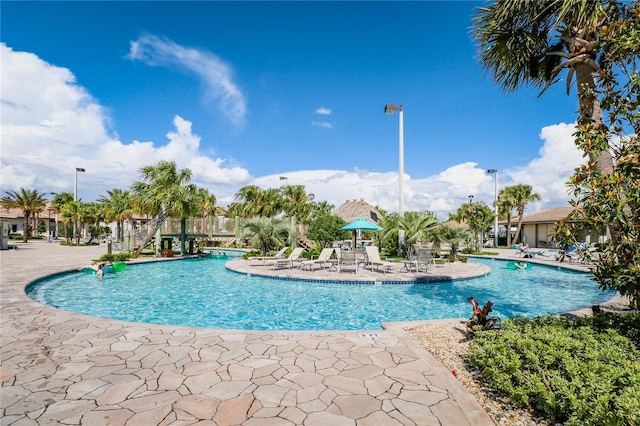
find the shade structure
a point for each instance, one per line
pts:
(361, 224)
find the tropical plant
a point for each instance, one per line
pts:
(521, 195)
(30, 201)
(479, 217)
(58, 202)
(92, 214)
(612, 200)
(320, 209)
(266, 234)
(532, 42)
(506, 205)
(72, 215)
(164, 192)
(418, 227)
(117, 207)
(325, 229)
(454, 236)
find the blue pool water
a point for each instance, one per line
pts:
(203, 293)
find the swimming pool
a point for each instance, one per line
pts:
(203, 293)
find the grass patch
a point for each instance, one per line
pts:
(579, 371)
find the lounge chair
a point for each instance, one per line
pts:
(288, 262)
(425, 260)
(347, 261)
(264, 259)
(373, 260)
(322, 260)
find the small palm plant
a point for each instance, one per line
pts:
(266, 234)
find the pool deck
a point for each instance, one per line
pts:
(66, 368)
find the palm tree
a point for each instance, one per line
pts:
(207, 202)
(506, 204)
(532, 42)
(247, 202)
(454, 236)
(270, 202)
(521, 196)
(27, 200)
(117, 207)
(72, 213)
(266, 234)
(418, 226)
(164, 192)
(58, 202)
(92, 214)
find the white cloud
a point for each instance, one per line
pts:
(323, 124)
(216, 74)
(51, 125)
(445, 192)
(323, 111)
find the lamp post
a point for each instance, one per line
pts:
(495, 209)
(470, 199)
(390, 109)
(49, 224)
(75, 197)
(57, 230)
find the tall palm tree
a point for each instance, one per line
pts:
(297, 202)
(30, 201)
(532, 42)
(117, 207)
(58, 202)
(506, 205)
(93, 215)
(165, 191)
(208, 207)
(521, 196)
(270, 202)
(247, 201)
(72, 213)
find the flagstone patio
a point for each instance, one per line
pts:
(66, 368)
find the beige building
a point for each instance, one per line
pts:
(537, 228)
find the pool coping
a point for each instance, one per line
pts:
(55, 365)
(62, 367)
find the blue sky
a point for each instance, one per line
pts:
(245, 92)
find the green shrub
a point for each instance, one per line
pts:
(107, 257)
(580, 371)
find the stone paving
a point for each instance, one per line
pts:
(66, 368)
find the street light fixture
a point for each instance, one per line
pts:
(391, 109)
(470, 199)
(495, 210)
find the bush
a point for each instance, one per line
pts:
(581, 371)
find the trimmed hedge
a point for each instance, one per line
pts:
(580, 371)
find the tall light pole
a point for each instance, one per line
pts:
(57, 230)
(495, 209)
(75, 197)
(75, 185)
(390, 109)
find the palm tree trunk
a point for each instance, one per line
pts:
(25, 228)
(509, 230)
(590, 110)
